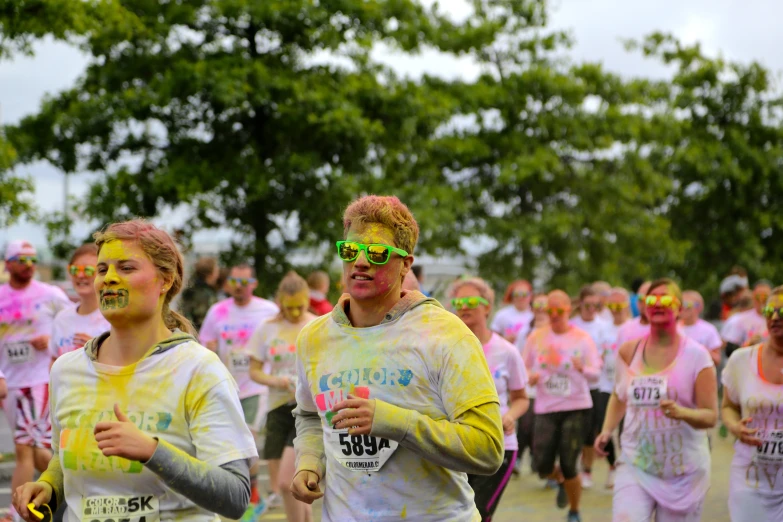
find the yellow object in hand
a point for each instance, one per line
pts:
(37, 514)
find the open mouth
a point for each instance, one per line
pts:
(111, 299)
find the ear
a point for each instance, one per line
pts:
(406, 265)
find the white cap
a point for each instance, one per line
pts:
(733, 283)
(19, 248)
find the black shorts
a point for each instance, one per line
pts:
(280, 431)
(559, 434)
(596, 420)
(600, 403)
(487, 489)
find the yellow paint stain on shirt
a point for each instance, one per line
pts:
(404, 512)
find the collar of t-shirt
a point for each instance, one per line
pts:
(177, 337)
(410, 299)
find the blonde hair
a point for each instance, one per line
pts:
(317, 279)
(388, 211)
(673, 287)
(291, 284)
(160, 248)
(479, 284)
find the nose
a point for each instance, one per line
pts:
(362, 260)
(111, 276)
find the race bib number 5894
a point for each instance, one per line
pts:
(361, 452)
(142, 508)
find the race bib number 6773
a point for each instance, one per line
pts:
(141, 508)
(647, 390)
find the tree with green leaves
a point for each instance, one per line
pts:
(724, 159)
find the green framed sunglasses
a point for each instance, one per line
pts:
(459, 303)
(377, 254)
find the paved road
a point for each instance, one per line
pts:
(527, 500)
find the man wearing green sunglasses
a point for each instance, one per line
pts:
(391, 373)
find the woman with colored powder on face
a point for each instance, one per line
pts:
(472, 299)
(395, 401)
(666, 387)
(753, 412)
(527, 422)
(73, 327)
(512, 321)
(274, 344)
(562, 361)
(146, 422)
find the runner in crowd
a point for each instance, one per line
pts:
(410, 282)
(588, 320)
(637, 327)
(563, 362)
(697, 328)
(27, 311)
(603, 289)
(748, 327)
(226, 330)
(147, 423)
(202, 292)
(619, 304)
(318, 282)
(472, 299)
(76, 325)
(391, 373)
(273, 345)
(527, 422)
(753, 412)
(514, 319)
(666, 386)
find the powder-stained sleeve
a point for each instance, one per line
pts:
(592, 362)
(54, 472)
(471, 443)
(309, 441)
(224, 490)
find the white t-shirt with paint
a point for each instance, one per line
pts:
(70, 322)
(183, 395)
(703, 333)
(509, 373)
(231, 327)
(598, 329)
(425, 360)
(274, 344)
(24, 315)
(740, 328)
(608, 353)
(509, 321)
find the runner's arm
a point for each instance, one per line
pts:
(54, 471)
(471, 443)
(705, 395)
(593, 363)
(309, 441)
(224, 489)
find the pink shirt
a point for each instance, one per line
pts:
(560, 386)
(632, 330)
(509, 374)
(231, 327)
(24, 315)
(703, 333)
(668, 458)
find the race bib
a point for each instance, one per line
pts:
(143, 508)
(609, 368)
(771, 449)
(19, 352)
(647, 390)
(360, 452)
(239, 362)
(558, 385)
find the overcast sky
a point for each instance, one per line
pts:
(744, 31)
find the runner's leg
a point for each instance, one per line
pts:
(630, 502)
(573, 428)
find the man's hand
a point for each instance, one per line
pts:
(305, 487)
(80, 339)
(40, 343)
(124, 439)
(578, 364)
(509, 424)
(533, 378)
(356, 414)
